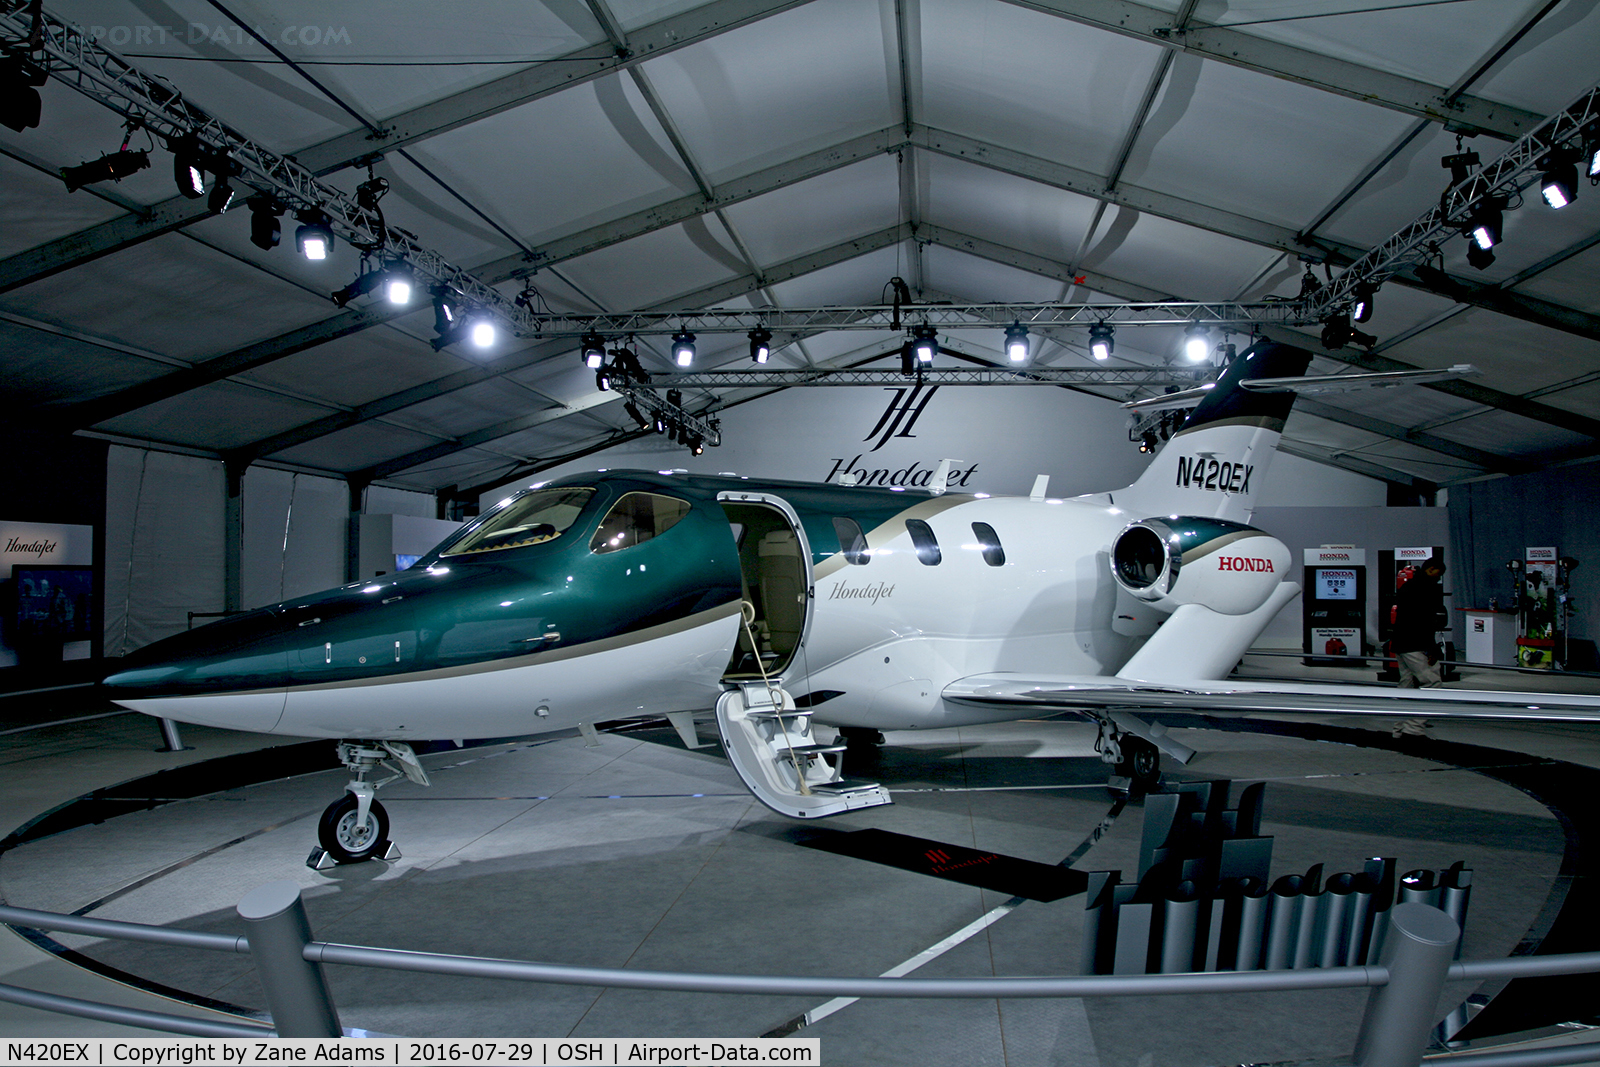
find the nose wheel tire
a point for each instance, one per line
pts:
(1141, 761)
(342, 839)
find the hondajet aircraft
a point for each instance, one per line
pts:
(627, 594)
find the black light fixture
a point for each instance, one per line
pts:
(265, 229)
(398, 283)
(19, 97)
(1361, 309)
(593, 350)
(602, 379)
(924, 344)
(1488, 219)
(660, 425)
(113, 166)
(221, 197)
(1017, 343)
(187, 171)
(1590, 154)
(1102, 341)
(364, 283)
(313, 238)
(675, 397)
(635, 414)
(1479, 256)
(683, 348)
(1336, 331)
(760, 344)
(1559, 183)
(1196, 343)
(1147, 441)
(697, 444)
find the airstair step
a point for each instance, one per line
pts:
(806, 750)
(844, 785)
(773, 713)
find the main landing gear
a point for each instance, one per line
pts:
(1136, 762)
(356, 827)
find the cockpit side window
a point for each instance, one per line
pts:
(927, 545)
(852, 542)
(636, 518)
(994, 554)
(532, 519)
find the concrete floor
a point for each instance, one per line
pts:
(640, 853)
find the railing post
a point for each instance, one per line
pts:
(1418, 950)
(278, 931)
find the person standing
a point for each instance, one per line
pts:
(1418, 605)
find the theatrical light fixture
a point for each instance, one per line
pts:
(445, 311)
(187, 172)
(635, 414)
(314, 237)
(683, 348)
(760, 344)
(1478, 256)
(1559, 183)
(1336, 331)
(481, 330)
(1147, 441)
(265, 229)
(19, 99)
(1196, 343)
(924, 344)
(1361, 310)
(221, 197)
(1101, 341)
(1017, 343)
(602, 379)
(397, 284)
(113, 166)
(1487, 221)
(593, 349)
(1459, 165)
(697, 444)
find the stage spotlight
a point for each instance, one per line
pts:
(1336, 331)
(1196, 343)
(314, 237)
(659, 425)
(1479, 256)
(1147, 441)
(113, 166)
(363, 284)
(1487, 222)
(19, 97)
(397, 284)
(481, 330)
(697, 444)
(593, 350)
(602, 379)
(683, 348)
(265, 229)
(635, 414)
(760, 344)
(1101, 341)
(187, 172)
(221, 195)
(1017, 343)
(1361, 311)
(924, 344)
(1559, 184)
(446, 312)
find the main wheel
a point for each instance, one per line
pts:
(342, 839)
(1141, 761)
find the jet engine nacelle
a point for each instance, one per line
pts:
(1175, 560)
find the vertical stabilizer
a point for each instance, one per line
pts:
(1214, 465)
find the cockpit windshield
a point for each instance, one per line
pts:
(540, 516)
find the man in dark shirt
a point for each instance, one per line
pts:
(1418, 605)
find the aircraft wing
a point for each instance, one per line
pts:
(1243, 698)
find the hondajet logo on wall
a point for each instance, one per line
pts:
(899, 418)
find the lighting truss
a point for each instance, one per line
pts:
(1514, 171)
(654, 407)
(761, 377)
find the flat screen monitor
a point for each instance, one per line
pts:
(1335, 583)
(54, 602)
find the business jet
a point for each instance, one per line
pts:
(782, 605)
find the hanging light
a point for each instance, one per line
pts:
(1361, 311)
(602, 379)
(113, 167)
(19, 97)
(635, 414)
(265, 229)
(446, 310)
(593, 349)
(481, 330)
(222, 190)
(1336, 331)
(313, 238)
(683, 348)
(1559, 183)
(1196, 343)
(187, 172)
(1017, 343)
(1101, 341)
(760, 344)
(924, 344)
(397, 284)
(1487, 222)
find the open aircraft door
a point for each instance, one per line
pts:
(767, 738)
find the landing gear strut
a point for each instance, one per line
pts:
(356, 827)
(1134, 759)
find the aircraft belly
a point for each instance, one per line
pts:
(259, 710)
(674, 671)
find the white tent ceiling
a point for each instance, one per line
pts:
(796, 153)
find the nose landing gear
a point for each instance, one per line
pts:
(356, 827)
(1136, 762)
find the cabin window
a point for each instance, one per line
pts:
(636, 518)
(989, 541)
(927, 545)
(530, 519)
(852, 542)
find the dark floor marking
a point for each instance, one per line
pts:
(969, 866)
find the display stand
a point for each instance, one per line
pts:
(1491, 637)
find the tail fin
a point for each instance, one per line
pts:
(1214, 465)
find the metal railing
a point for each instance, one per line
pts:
(1418, 959)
